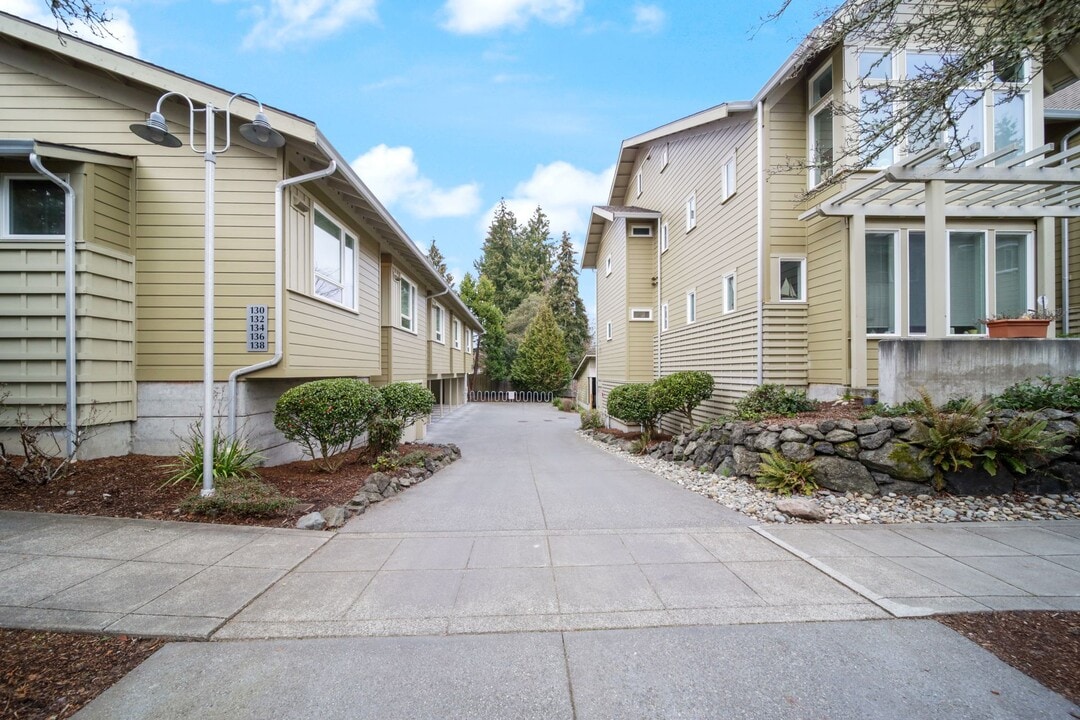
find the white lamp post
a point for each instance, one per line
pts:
(257, 132)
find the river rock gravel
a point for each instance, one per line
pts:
(855, 508)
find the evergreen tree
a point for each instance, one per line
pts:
(497, 257)
(532, 255)
(479, 297)
(517, 324)
(541, 363)
(436, 258)
(566, 302)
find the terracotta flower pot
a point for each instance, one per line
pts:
(1018, 328)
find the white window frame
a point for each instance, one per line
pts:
(455, 331)
(897, 275)
(664, 242)
(607, 266)
(691, 212)
(729, 179)
(438, 323)
(411, 315)
(648, 314)
(609, 330)
(664, 317)
(815, 175)
(730, 295)
(468, 341)
(664, 157)
(802, 279)
(1030, 255)
(635, 230)
(5, 206)
(988, 242)
(638, 182)
(870, 84)
(691, 306)
(351, 303)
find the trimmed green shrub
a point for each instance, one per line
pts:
(784, 476)
(681, 391)
(630, 403)
(232, 459)
(247, 496)
(384, 434)
(325, 417)
(406, 402)
(1061, 394)
(768, 400)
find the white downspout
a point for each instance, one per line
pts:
(760, 242)
(71, 378)
(279, 286)
(1065, 250)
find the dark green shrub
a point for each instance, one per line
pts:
(591, 420)
(247, 496)
(327, 416)
(1046, 393)
(630, 403)
(784, 476)
(946, 436)
(406, 402)
(681, 391)
(232, 459)
(1020, 443)
(384, 434)
(769, 400)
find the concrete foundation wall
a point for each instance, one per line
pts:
(99, 441)
(965, 367)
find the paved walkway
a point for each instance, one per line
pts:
(655, 602)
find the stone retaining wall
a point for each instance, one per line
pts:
(858, 456)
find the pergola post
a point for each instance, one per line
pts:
(937, 261)
(857, 298)
(1045, 277)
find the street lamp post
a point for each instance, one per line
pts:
(257, 132)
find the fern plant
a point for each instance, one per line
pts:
(1019, 443)
(946, 440)
(784, 476)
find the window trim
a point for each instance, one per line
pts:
(664, 157)
(896, 280)
(1031, 294)
(728, 188)
(438, 323)
(665, 241)
(691, 212)
(607, 265)
(5, 207)
(637, 180)
(609, 331)
(730, 298)
(948, 278)
(802, 278)
(815, 175)
(664, 318)
(345, 233)
(640, 226)
(402, 280)
(468, 339)
(691, 306)
(633, 310)
(455, 332)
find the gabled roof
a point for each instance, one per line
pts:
(602, 214)
(306, 145)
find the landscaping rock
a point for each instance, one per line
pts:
(801, 508)
(746, 461)
(766, 441)
(311, 521)
(811, 431)
(792, 435)
(824, 448)
(976, 482)
(843, 475)
(875, 440)
(865, 427)
(334, 516)
(380, 480)
(840, 436)
(908, 467)
(796, 451)
(848, 450)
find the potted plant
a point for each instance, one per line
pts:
(1030, 324)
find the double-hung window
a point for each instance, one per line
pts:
(335, 262)
(456, 325)
(437, 323)
(821, 125)
(407, 306)
(468, 340)
(34, 208)
(882, 288)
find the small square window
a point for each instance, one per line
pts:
(607, 266)
(792, 279)
(609, 330)
(821, 85)
(663, 238)
(729, 293)
(36, 208)
(875, 65)
(691, 307)
(691, 213)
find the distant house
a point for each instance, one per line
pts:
(709, 257)
(358, 298)
(584, 383)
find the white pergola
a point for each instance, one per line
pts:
(1037, 186)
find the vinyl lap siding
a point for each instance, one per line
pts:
(827, 289)
(611, 305)
(109, 216)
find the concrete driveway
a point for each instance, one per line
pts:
(538, 577)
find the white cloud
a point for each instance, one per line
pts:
(121, 33)
(474, 17)
(565, 193)
(394, 177)
(649, 18)
(290, 21)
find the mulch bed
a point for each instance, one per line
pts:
(130, 486)
(52, 675)
(1042, 644)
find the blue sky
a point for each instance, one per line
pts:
(448, 105)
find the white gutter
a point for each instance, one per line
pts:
(70, 380)
(760, 119)
(279, 287)
(1065, 249)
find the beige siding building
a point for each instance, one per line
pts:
(354, 294)
(715, 250)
